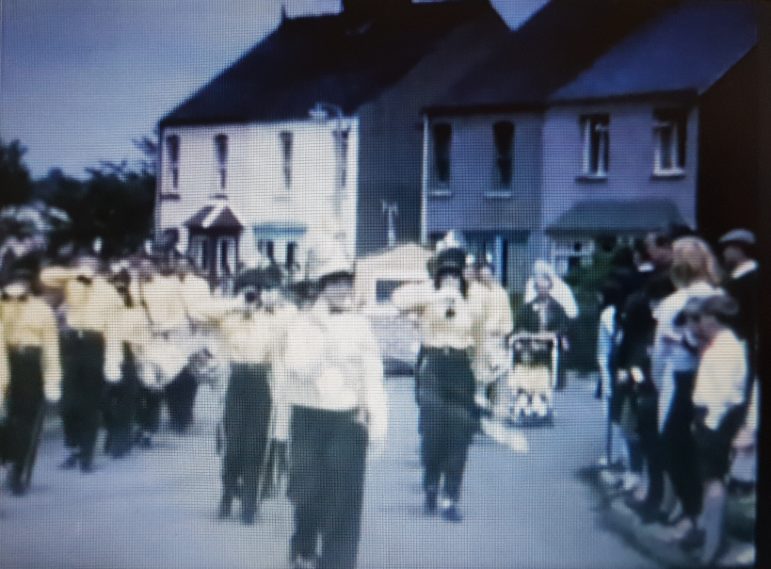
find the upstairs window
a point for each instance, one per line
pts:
(596, 145)
(287, 142)
(341, 145)
(442, 138)
(221, 150)
(669, 142)
(172, 155)
(503, 135)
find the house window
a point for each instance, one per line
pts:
(569, 255)
(198, 252)
(503, 135)
(221, 149)
(227, 256)
(442, 135)
(669, 135)
(291, 254)
(596, 145)
(265, 247)
(172, 152)
(286, 153)
(341, 144)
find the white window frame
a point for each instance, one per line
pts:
(678, 140)
(600, 124)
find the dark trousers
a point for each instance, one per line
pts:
(120, 406)
(25, 401)
(447, 435)
(82, 390)
(679, 447)
(180, 398)
(650, 445)
(326, 485)
(148, 409)
(246, 423)
(448, 416)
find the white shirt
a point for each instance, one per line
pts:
(333, 362)
(721, 377)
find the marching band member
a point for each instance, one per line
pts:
(334, 383)
(29, 364)
(89, 304)
(450, 322)
(169, 351)
(124, 352)
(180, 393)
(252, 341)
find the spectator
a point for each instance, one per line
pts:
(694, 272)
(719, 402)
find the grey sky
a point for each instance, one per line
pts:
(79, 79)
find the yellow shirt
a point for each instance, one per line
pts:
(128, 326)
(88, 306)
(196, 297)
(32, 323)
(164, 300)
(446, 318)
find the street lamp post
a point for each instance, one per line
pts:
(321, 112)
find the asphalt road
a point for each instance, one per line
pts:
(156, 508)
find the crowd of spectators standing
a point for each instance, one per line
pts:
(677, 348)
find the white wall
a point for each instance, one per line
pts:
(255, 186)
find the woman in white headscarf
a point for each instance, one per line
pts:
(560, 290)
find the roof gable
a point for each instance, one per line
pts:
(687, 48)
(549, 50)
(306, 60)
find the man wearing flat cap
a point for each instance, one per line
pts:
(737, 248)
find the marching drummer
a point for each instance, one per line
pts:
(450, 324)
(334, 383)
(89, 304)
(180, 393)
(32, 370)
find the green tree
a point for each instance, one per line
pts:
(15, 181)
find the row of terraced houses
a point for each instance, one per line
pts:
(589, 119)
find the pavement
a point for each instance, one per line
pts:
(653, 539)
(530, 509)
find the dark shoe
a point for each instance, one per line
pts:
(223, 512)
(452, 514)
(86, 467)
(70, 462)
(429, 505)
(694, 539)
